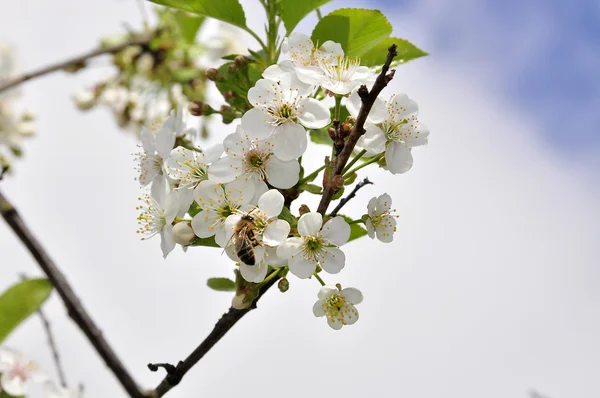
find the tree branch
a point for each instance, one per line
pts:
(136, 40)
(352, 194)
(227, 321)
(368, 99)
(74, 307)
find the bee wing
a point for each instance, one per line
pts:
(238, 240)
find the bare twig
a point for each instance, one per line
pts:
(78, 60)
(74, 306)
(51, 343)
(350, 196)
(176, 373)
(368, 99)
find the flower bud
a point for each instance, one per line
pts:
(183, 233)
(199, 108)
(232, 68)
(229, 96)
(283, 285)
(331, 132)
(214, 75)
(337, 182)
(84, 100)
(345, 129)
(238, 302)
(303, 210)
(241, 61)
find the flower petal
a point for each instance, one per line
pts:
(204, 223)
(239, 191)
(334, 324)
(398, 158)
(271, 202)
(301, 267)
(353, 295)
(319, 308)
(309, 224)
(350, 314)
(225, 169)
(336, 231)
(313, 113)
(167, 244)
(254, 273)
(282, 174)
(256, 124)
(276, 232)
(327, 291)
(289, 141)
(290, 248)
(164, 142)
(12, 385)
(332, 260)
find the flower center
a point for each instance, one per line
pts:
(343, 70)
(255, 162)
(286, 112)
(335, 303)
(393, 130)
(151, 219)
(313, 245)
(225, 211)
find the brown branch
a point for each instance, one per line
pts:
(350, 196)
(368, 99)
(51, 343)
(227, 321)
(74, 307)
(78, 60)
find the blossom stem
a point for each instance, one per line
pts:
(317, 277)
(312, 175)
(338, 104)
(271, 276)
(374, 159)
(319, 15)
(78, 60)
(356, 158)
(359, 221)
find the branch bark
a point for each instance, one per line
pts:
(368, 99)
(74, 307)
(137, 40)
(351, 195)
(227, 321)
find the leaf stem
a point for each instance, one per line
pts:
(319, 15)
(311, 176)
(319, 279)
(356, 222)
(271, 276)
(365, 164)
(356, 158)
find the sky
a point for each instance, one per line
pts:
(490, 286)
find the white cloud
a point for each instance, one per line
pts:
(489, 289)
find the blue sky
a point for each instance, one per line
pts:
(545, 54)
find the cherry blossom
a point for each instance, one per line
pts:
(338, 305)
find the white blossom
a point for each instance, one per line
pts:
(157, 216)
(183, 234)
(152, 160)
(190, 167)
(395, 134)
(316, 245)
(253, 161)
(338, 305)
(380, 220)
(282, 110)
(219, 201)
(16, 371)
(270, 233)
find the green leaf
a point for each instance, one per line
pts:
(4, 394)
(20, 301)
(294, 11)
(221, 284)
(338, 194)
(208, 242)
(377, 55)
(188, 25)
(356, 29)
(229, 11)
(312, 188)
(350, 179)
(194, 209)
(356, 230)
(287, 215)
(320, 137)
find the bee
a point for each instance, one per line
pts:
(244, 239)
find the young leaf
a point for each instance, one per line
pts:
(356, 29)
(320, 137)
(312, 188)
(356, 231)
(377, 55)
(20, 301)
(221, 284)
(208, 242)
(294, 11)
(229, 11)
(188, 25)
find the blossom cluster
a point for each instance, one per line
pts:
(17, 371)
(235, 195)
(14, 126)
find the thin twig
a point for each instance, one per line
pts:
(176, 373)
(368, 99)
(350, 196)
(51, 343)
(137, 40)
(74, 307)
